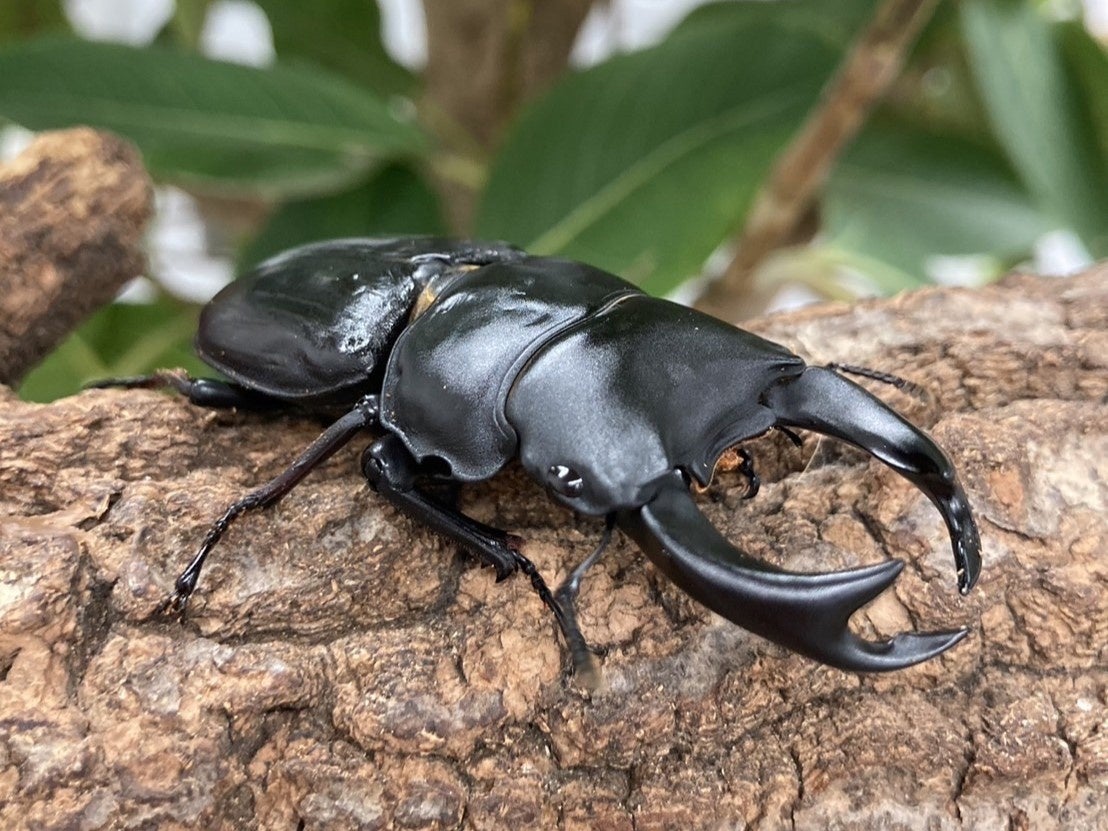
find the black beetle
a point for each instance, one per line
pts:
(465, 355)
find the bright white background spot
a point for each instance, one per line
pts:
(964, 270)
(404, 31)
(625, 25)
(179, 249)
(13, 141)
(1096, 18)
(238, 31)
(1060, 252)
(123, 21)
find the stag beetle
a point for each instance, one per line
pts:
(461, 356)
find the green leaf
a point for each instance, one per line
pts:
(105, 347)
(395, 202)
(936, 90)
(341, 35)
(213, 126)
(644, 164)
(1088, 62)
(23, 18)
(1036, 115)
(901, 195)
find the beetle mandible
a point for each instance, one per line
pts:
(461, 356)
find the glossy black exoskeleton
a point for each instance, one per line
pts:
(461, 356)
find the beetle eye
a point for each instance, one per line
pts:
(565, 480)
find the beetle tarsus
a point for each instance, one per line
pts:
(746, 468)
(567, 623)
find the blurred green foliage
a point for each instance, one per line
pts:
(644, 164)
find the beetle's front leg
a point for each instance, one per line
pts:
(392, 472)
(566, 595)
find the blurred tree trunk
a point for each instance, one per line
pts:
(485, 59)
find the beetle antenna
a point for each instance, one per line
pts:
(363, 415)
(903, 384)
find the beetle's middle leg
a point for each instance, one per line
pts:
(392, 472)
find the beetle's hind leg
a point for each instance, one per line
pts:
(204, 392)
(334, 437)
(393, 472)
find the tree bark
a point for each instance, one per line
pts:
(73, 207)
(343, 668)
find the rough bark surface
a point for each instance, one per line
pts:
(342, 668)
(73, 207)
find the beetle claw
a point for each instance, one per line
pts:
(173, 606)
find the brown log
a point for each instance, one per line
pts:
(73, 207)
(343, 668)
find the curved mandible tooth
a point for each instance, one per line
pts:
(821, 400)
(899, 652)
(808, 613)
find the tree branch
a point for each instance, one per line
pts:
(872, 64)
(73, 207)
